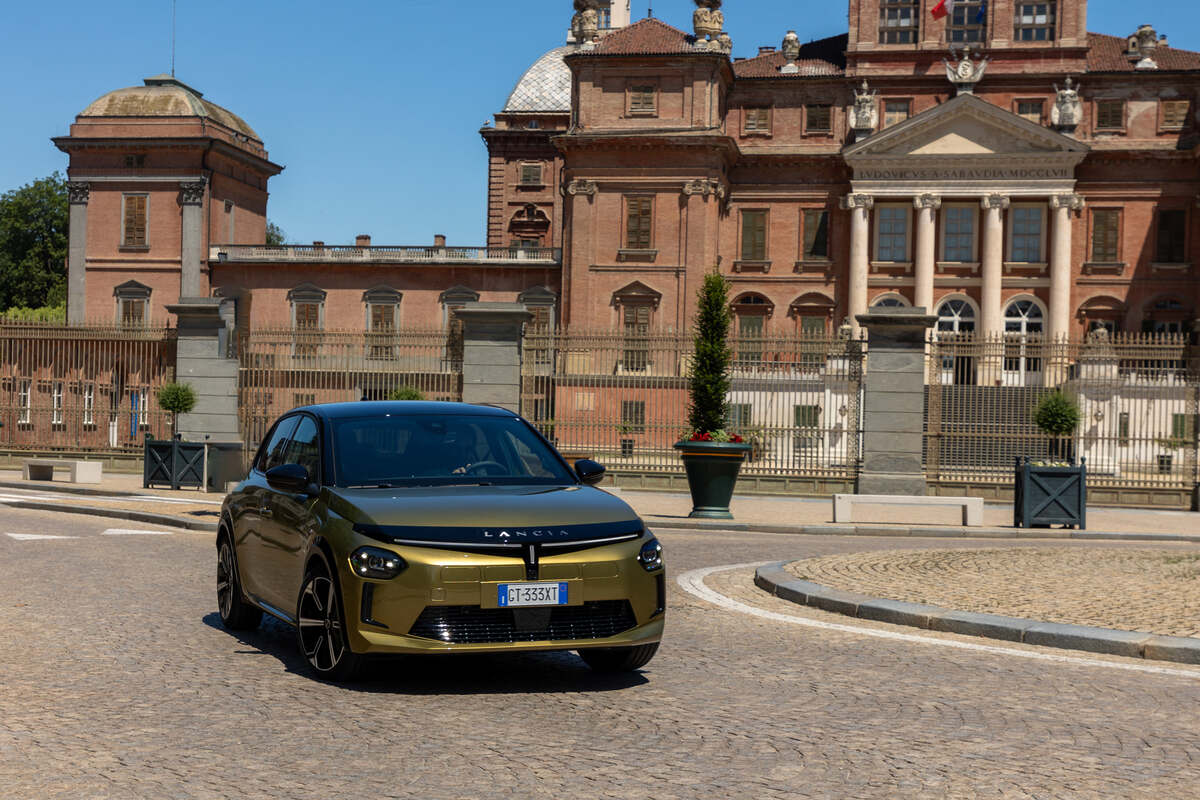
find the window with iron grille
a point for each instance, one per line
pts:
(300, 399)
(818, 119)
(899, 21)
(639, 222)
(758, 120)
(1183, 428)
(56, 403)
(1034, 22)
(816, 233)
(1172, 236)
(633, 416)
(895, 112)
(807, 420)
(531, 174)
(754, 235)
(1110, 114)
(24, 400)
(636, 320)
(642, 99)
(133, 230)
(1123, 429)
(1106, 230)
(966, 22)
(1175, 113)
(737, 416)
(751, 325)
(89, 404)
(1031, 110)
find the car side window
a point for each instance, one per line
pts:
(305, 449)
(272, 454)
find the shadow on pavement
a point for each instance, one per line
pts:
(460, 674)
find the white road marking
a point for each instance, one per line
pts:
(131, 532)
(29, 537)
(692, 582)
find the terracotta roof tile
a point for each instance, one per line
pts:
(822, 57)
(1107, 54)
(645, 37)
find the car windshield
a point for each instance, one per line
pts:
(442, 450)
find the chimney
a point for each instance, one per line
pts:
(362, 240)
(439, 240)
(766, 48)
(318, 245)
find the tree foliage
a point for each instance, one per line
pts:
(178, 398)
(710, 368)
(407, 393)
(33, 244)
(44, 314)
(275, 234)
(1057, 414)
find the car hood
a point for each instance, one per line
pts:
(486, 516)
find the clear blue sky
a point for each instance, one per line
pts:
(374, 107)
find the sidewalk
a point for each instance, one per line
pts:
(670, 510)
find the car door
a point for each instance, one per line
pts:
(292, 521)
(254, 523)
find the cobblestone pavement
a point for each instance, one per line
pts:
(1156, 591)
(116, 681)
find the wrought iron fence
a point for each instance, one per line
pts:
(282, 369)
(1138, 397)
(82, 388)
(624, 399)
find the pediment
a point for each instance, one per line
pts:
(964, 126)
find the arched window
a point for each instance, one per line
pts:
(813, 313)
(1166, 315)
(1025, 317)
(956, 315)
(890, 300)
(1102, 313)
(1024, 323)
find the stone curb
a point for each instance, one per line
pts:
(776, 580)
(944, 531)
(148, 517)
(49, 486)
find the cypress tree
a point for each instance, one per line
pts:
(710, 367)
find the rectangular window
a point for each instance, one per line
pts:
(1106, 231)
(816, 234)
(531, 174)
(136, 160)
(807, 419)
(56, 403)
(1110, 114)
(300, 399)
(758, 120)
(638, 222)
(133, 232)
(750, 338)
(383, 317)
(308, 316)
(642, 99)
(1123, 429)
(1172, 237)
(633, 416)
(737, 416)
(1026, 229)
(892, 234)
(1034, 22)
(1031, 110)
(637, 337)
(958, 235)
(818, 119)
(24, 400)
(966, 22)
(898, 21)
(89, 404)
(895, 112)
(754, 236)
(139, 407)
(1183, 428)
(1175, 114)
(132, 312)
(604, 18)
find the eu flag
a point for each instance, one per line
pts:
(982, 15)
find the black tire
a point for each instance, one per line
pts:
(619, 659)
(321, 625)
(236, 613)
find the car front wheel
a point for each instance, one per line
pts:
(619, 659)
(322, 627)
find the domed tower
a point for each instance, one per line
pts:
(157, 173)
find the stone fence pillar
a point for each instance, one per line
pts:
(894, 401)
(201, 362)
(492, 353)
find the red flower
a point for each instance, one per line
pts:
(735, 439)
(701, 437)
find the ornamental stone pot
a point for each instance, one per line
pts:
(712, 471)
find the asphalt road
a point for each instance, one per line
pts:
(116, 680)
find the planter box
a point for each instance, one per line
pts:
(712, 471)
(1045, 496)
(177, 464)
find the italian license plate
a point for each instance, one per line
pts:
(513, 595)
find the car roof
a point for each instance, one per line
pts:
(370, 408)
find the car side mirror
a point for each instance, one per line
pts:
(590, 472)
(291, 478)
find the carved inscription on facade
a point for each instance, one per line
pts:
(962, 173)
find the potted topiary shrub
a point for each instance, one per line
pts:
(1052, 492)
(172, 462)
(1057, 415)
(177, 398)
(712, 456)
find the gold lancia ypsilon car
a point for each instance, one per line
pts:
(413, 527)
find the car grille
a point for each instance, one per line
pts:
(475, 625)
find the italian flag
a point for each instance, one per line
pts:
(943, 9)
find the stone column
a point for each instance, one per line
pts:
(77, 194)
(1060, 286)
(492, 353)
(191, 198)
(894, 401)
(926, 205)
(860, 206)
(991, 322)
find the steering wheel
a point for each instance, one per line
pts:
(470, 469)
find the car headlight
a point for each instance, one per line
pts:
(372, 562)
(650, 556)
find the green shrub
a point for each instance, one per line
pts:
(407, 393)
(710, 367)
(43, 314)
(178, 398)
(1057, 414)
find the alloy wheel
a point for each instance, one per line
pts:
(321, 624)
(225, 580)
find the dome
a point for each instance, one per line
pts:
(164, 96)
(545, 87)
